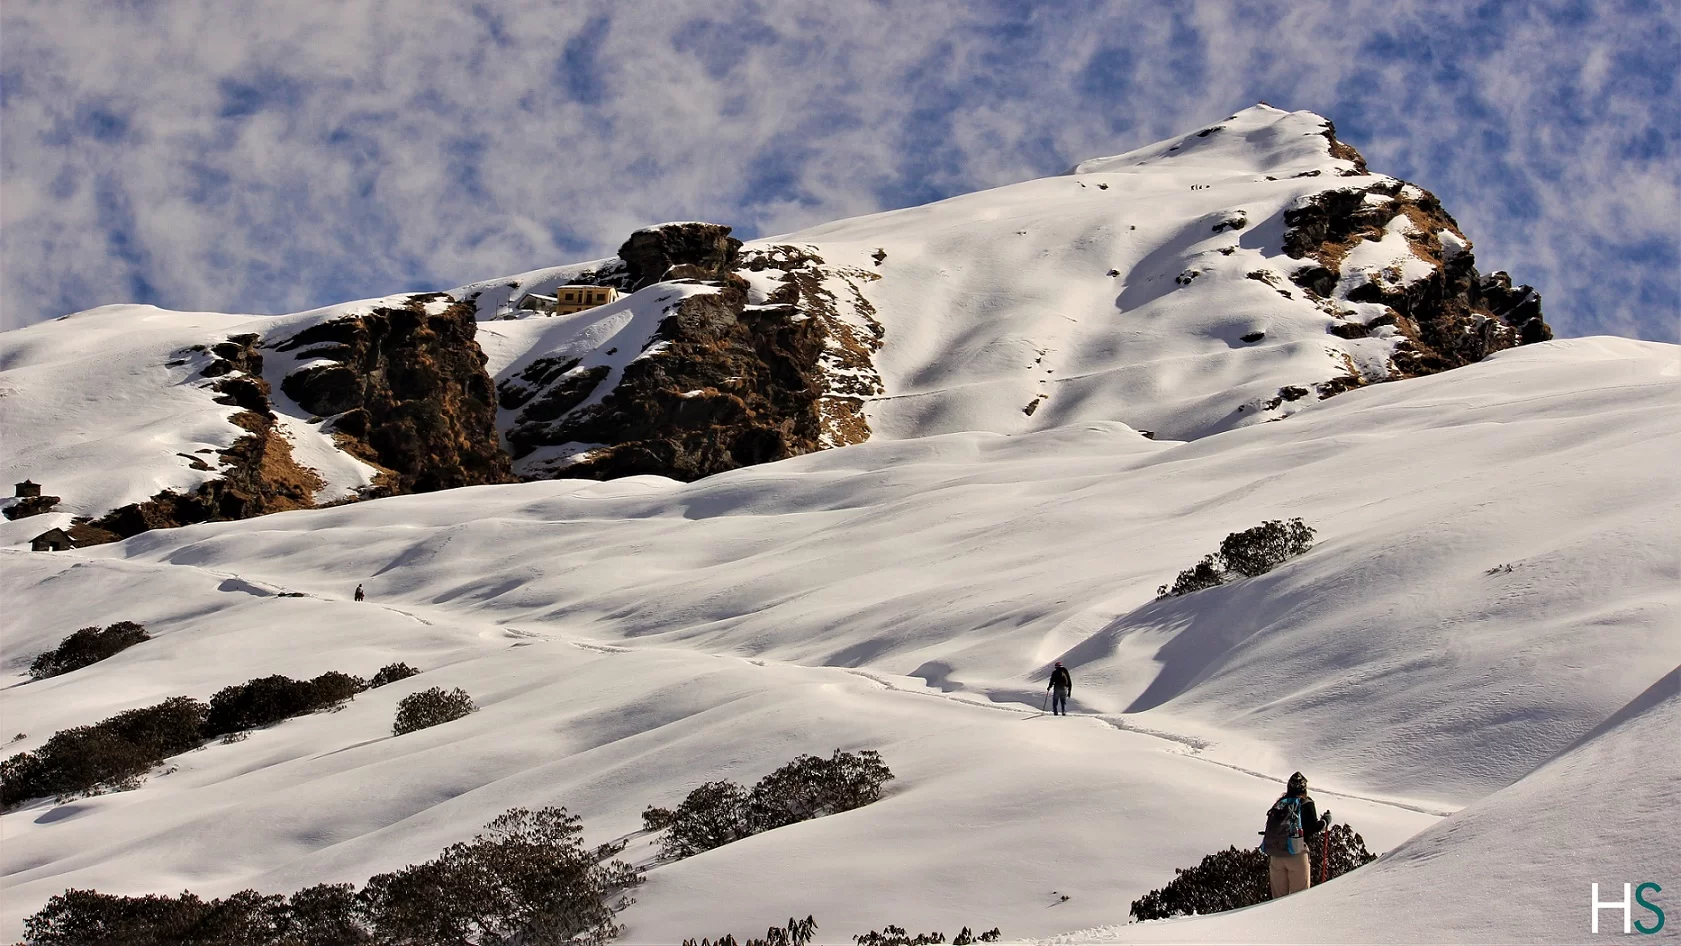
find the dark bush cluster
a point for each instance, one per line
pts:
(799, 933)
(527, 880)
(430, 708)
(717, 813)
(116, 753)
(1244, 555)
(391, 673)
(109, 755)
(796, 933)
(87, 646)
(265, 701)
(1236, 878)
(897, 936)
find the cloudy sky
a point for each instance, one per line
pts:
(271, 157)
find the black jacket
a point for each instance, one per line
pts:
(1060, 678)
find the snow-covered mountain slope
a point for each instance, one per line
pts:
(137, 418)
(1213, 281)
(629, 640)
(1513, 868)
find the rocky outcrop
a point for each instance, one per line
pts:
(26, 506)
(724, 381)
(404, 390)
(1450, 316)
(258, 473)
(678, 251)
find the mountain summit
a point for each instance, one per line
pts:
(1234, 275)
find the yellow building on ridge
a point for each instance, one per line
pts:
(568, 299)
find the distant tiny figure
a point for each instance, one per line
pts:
(359, 594)
(1061, 685)
(1292, 823)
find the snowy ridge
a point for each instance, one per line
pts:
(1153, 288)
(628, 640)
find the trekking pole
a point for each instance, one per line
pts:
(1045, 704)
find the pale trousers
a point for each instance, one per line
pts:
(1289, 874)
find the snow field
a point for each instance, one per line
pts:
(908, 596)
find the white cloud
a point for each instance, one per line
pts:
(272, 157)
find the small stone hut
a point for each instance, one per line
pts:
(28, 489)
(52, 540)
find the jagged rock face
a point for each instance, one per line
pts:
(407, 392)
(698, 250)
(722, 383)
(1450, 316)
(259, 474)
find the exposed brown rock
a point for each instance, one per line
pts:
(724, 383)
(408, 393)
(30, 506)
(847, 364)
(1343, 150)
(704, 250)
(734, 386)
(1453, 317)
(259, 474)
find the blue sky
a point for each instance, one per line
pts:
(272, 157)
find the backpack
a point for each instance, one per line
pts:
(1283, 835)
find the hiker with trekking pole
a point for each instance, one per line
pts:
(1294, 822)
(1060, 687)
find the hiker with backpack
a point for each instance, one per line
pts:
(1292, 824)
(1061, 685)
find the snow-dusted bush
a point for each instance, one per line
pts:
(796, 933)
(711, 816)
(799, 933)
(87, 646)
(1206, 574)
(267, 700)
(431, 707)
(655, 818)
(391, 673)
(1261, 549)
(1236, 878)
(812, 786)
(111, 754)
(808, 787)
(1244, 555)
(528, 879)
(891, 935)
